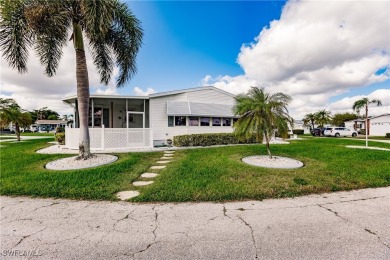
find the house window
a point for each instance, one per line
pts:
(205, 121)
(180, 121)
(170, 121)
(194, 121)
(216, 121)
(226, 122)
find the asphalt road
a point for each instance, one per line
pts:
(344, 225)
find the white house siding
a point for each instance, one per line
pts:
(159, 117)
(380, 125)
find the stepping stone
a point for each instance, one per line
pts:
(142, 183)
(125, 195)
(169, 152)
(168, 155)
(166, 158)
(149, 175)
(163, 161)
(158, 167)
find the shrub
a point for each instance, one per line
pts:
(60, 129)
(362, 131)
(387, 135)
(298, 131)
(60, 137)
(210, 139)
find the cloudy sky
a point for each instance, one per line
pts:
(325, 54)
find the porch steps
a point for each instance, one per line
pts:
(149, 175)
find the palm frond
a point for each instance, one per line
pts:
(15, 35)
(125, 36)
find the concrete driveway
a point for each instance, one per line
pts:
(343, 225)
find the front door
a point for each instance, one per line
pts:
(106, 117)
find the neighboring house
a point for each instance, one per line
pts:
(298, 124)
(47, 125)
(144, 121)
(377, 125)
(356, 124)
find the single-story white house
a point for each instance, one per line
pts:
(377, 125)
(146, 121)
(298, 124)
(47, 125)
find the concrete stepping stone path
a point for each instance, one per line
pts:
(125, 195)
(166, 158)
(171, 152)
(149, 175)
(142, 183)
(158, 167)
(163, 161)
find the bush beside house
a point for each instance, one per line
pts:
(298, 131)
(60, 135)
(210, 139)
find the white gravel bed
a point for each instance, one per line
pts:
(276, 162)
(71, 163)
(369, 147)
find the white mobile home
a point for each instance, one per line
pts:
(144, 121)
(377, 125)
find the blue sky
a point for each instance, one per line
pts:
(325, 54)
(184, 41)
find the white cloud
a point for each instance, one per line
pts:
(140, 92)
(316, 50)
(34, 89)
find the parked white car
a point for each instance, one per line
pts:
(339, 131)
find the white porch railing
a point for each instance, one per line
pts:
(111, 138)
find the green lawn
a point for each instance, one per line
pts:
(211, 174)
(23, 173)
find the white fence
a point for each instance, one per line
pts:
(111, 138)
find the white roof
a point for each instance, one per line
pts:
(185, 108)
(167, 93)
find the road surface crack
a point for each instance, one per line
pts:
(252, 234)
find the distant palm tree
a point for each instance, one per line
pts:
(10, 112)
(323, 117)
(309, 119)
(260, 114)
(113, 33)
(364, 102)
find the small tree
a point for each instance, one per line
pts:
(260, 114)
(340, 118)
(10, 112)
(323, 117)
(309, 119)
(364, 102)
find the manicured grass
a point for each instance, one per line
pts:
(23, 173)
(7, 137)
(218, 174)
(37, 134)
(210, 174)
(373, 137)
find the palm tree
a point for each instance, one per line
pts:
(10, 112)
(322, 117)
(364, 102)
(113, 33)
(260, 114)
(309, 119)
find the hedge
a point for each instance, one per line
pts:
(387, 135)
(210, 139)
(298, 131)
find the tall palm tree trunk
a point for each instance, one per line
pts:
(82, 92)
(17, 131)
